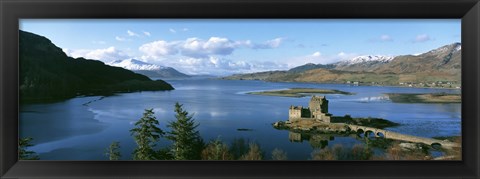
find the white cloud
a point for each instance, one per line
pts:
(218, 65)
(158, 49)
(106, 55)
(198, 48)
(199, 56)
(386, 38)
(382, 38)
(132, 34)
(193, 47)
(422, 38)
(174, 31)
(274, 43)
(316, 54)
(147, 33)
(121, 39)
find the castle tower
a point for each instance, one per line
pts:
(324, 105)
(318, 104)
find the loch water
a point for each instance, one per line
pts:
(82, 128)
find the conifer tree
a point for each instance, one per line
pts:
(113, 152)
(187, 143)
(146, 134)
(23, 153)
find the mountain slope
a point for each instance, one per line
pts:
(439, 65)
(446, 58)
(310, 66)
(363, 63)
(443, 59)
(147, 69)
(47, 73)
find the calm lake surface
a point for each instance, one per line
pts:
(82, 128)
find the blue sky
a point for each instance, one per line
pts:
(220, 47)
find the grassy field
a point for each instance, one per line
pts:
(299, 92)
(425, 98)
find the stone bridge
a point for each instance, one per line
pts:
(397, 136)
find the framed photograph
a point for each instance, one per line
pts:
(244, 89)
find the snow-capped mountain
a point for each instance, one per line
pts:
(362, 63)
(458, 47)
(147, 69)
(367, 58)
(441, 64)
(447, 49)
(132, 64)
(446, 58)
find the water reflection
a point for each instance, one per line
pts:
(320, 141)
(316, 141)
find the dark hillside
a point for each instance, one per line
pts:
(47, 73)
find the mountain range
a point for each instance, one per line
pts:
(438, 66)
(47, 73)
(147, 69)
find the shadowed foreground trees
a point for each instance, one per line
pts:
(113, 152)
(254, 153)
(239, 147)
(216, 150)
(146, 135)
(187, 143)
(23, 153)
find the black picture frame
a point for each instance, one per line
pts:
(12, 10)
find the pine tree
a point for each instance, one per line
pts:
(23, 153)
(146, 134)
(187, 143)
(113, 152)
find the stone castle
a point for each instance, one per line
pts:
(317, 110)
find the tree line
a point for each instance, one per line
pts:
(187, 144)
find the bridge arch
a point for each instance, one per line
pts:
(360, 132)
(436, 145)
(369, 134)
(380, 134)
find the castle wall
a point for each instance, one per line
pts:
(294, 113)
(318, 110)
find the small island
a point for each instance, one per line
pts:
(299, 92)
(424, 98)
